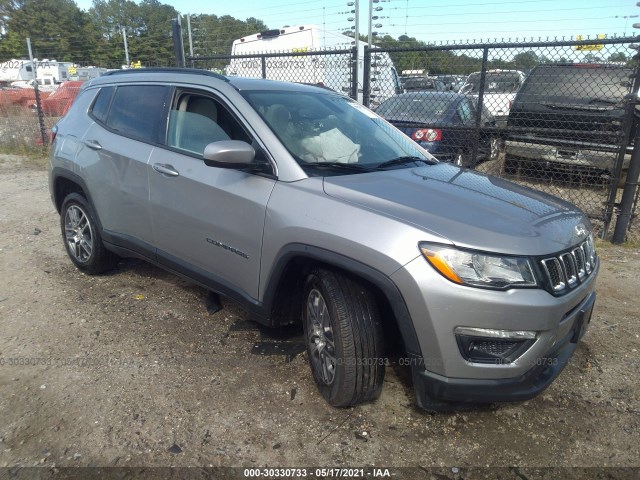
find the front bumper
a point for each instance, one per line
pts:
(569, 155)
(430, 386)
(437, 307)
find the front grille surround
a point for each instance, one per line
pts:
(566, 271)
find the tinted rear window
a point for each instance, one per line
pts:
(415, 108)
(419, 84)
(495, 82)
(137, 110)
(578, 81)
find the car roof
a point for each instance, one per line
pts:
(449, 95)
(203, 77)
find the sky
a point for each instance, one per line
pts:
(438, 21)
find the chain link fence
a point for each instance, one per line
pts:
(331, 69)
(555, 116)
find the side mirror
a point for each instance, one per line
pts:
(229, 154)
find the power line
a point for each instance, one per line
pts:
(493, 13)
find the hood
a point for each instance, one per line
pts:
(467, 208)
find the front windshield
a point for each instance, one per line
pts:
(323, 129)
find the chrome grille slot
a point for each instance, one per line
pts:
(578, 257)
(554, 273)
(569, 269)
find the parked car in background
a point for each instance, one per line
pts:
(451, 82)
(443, 123)
(569, 115)
(421, 84)
(500, 88)
(57, 104)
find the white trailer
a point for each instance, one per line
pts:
(332, 71)
(10, 70)
(46, 68)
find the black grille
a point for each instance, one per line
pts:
(566, 271)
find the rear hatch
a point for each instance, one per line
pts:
(578, 102)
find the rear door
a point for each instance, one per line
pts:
(129, 124)
(207, 221)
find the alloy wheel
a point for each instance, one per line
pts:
(78, 233)
(320, 337)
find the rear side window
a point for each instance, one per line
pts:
(136, 111)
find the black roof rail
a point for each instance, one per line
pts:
(192, 71)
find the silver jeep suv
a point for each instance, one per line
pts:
(303, 206)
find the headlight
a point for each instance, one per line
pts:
(479, 269)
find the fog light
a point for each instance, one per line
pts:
(483, 345)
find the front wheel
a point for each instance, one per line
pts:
(343, 333)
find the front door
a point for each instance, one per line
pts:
(207, 221)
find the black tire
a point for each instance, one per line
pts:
(346, 358)
(81, 236)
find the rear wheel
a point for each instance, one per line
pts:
(81, 236)
(343, 333)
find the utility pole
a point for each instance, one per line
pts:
(370, 22)
(43, 131)
(178, 47)
(355, 58)
(126, 47)
(190, 37)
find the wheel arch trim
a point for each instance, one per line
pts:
(389, 289)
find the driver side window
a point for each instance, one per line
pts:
(196, 120)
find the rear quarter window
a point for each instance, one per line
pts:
(101, 105)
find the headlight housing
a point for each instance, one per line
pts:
(479, 269)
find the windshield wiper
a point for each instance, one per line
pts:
(403, 161)
(339, 165)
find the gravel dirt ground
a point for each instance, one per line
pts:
(129, 370)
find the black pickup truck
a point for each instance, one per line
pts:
(569, 116)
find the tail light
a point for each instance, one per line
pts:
(427, 135)
(54, 132)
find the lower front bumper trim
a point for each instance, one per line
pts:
(430, 387)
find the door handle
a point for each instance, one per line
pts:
(165, 169)
(93, 144)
